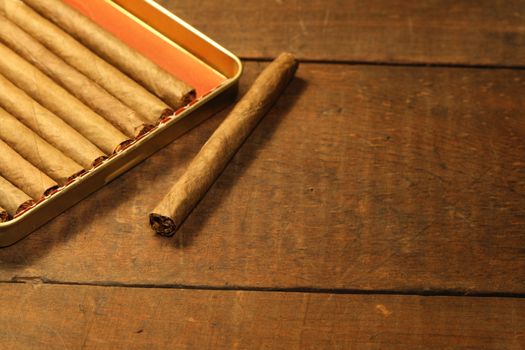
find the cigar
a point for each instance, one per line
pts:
(222, 145)
(44, 90)
(13, 199)
(150, 107)
(85, 89)
(48, 126)
(38, 152)
(171, 90)
(23, 174)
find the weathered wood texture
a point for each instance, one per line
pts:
(74, 317)
(453, 32)
(361, 177)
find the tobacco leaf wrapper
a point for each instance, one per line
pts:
(23, 174)
(150, 107)
(52, 96)
(4, 216)
(171, 90)
(47, 125)
(86, 90)
(36, 150)
(12, 199)
(218, 150)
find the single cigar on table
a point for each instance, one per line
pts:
(150, 107)
(36, 150)
(23, 174)
(171, 90)
(48, 126)
(12, 199)
(85, 89)
(222, 145)
(44, 90)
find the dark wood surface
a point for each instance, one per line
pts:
(400, 179)
(376, 206)
(485, 32)
(78, 317)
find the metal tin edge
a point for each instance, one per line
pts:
(185, 119)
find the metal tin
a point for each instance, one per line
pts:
(177, 47)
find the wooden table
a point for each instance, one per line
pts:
(380, 204)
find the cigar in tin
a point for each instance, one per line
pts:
(4, 216)
(85, 89)
(48, 126)
(24, 175)
(13, 199)
(52, 96)
(36, 150)
(171, 90)
(222, 145)
(150, 107)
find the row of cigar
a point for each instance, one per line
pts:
(71, 94)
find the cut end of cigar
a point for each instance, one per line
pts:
(189, 97)
(74, 176)
(50, 190)
(166, 113)
(123, 146)
(4, 216)
(99, 160)
(24, 206)
(162, 225)
(144, 130)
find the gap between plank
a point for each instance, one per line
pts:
(408, 292)
(392, 64)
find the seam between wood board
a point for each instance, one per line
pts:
(392, 64)
(308, 290)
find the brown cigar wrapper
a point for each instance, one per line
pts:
(12, 198)
(47, 125)
(222, 145)
(86, 90)
(150, 107)
(171, 90)
(4, 216)
(52, 96)
(23, 174)
(36, 150)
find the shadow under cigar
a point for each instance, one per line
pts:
(197, 219)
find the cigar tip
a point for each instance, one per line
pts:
(162, 225)
(51, 190)
(123, 146)
(166, 113)
(4, 216)
(287, 56)
(99, 160)
(144, 129)
(24, 206)
(75, 175)
(189, 97)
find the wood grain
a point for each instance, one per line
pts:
(361, 177)
(441, 32)
(74, 317)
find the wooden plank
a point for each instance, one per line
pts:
(444, 32)
(361, 177)
(74, 317)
